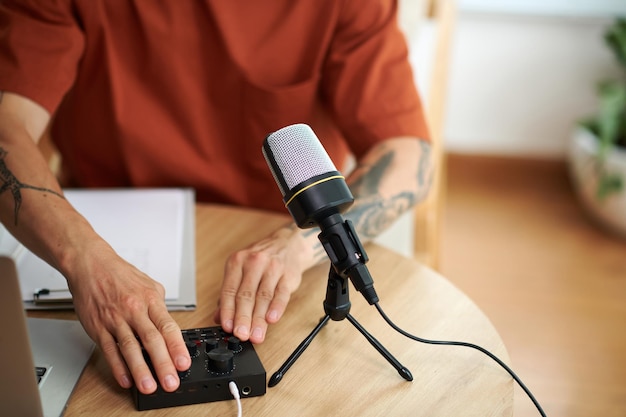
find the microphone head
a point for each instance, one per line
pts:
(310, 184)
(294, 155)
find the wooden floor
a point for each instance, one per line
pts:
(553, 283)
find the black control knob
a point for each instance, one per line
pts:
(234, 344)
(221, 360)
(211, 344)
(192, 348)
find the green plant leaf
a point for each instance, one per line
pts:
(609, 124)
(615, 38)
(611, 114)
(609, 184)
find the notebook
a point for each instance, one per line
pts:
(152, 228)
(58, 349)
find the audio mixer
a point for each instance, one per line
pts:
(217, 358)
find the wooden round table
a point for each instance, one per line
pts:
(340, 374)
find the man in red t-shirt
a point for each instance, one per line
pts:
(145, 94)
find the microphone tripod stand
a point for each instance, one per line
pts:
(337, 307)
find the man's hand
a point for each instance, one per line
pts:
(259, 281)
(117, 304)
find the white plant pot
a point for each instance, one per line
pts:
(610, 211)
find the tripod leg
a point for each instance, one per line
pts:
(278, 375)
(402, 370)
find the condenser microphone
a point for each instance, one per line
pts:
(311, 186)
(315, 194)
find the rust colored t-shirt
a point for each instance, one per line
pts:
(183, 92)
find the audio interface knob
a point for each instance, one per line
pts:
(211, 344)
(192, 348)
(221, 360)
(234, 343)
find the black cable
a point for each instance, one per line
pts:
(470, 345)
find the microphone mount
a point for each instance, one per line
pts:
(337, 307)
(347, 254)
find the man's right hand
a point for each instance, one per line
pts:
(117, 304)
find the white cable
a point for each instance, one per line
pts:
(232, 386)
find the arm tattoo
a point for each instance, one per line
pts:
(8, 181)
(373, 214)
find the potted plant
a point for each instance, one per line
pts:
(598, 148)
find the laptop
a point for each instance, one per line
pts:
(36, 381)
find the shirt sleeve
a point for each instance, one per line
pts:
(40, 47)
(368, 80)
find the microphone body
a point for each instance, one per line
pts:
(316, 194)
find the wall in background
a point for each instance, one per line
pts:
(584, 8)
(522, 75)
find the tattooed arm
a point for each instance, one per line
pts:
(259, 280)
(393, 178)
(113, 300)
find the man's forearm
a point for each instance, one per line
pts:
(32, 206)
(392, 179)
(389, 186)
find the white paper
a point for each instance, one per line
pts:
(144, 226)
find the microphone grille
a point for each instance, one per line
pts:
(297, 154)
